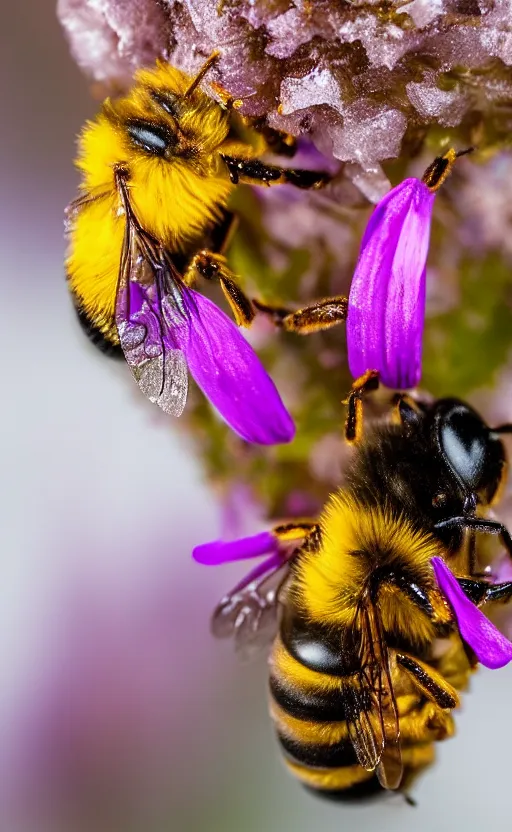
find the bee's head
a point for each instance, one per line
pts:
(166, 116)
(166, 134)
(473, 455)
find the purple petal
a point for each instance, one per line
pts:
(490, 646)
(229, 372)
(270, 564)
(220, 551)
(386, 308)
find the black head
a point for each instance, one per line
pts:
(472, 453)
(439, 462)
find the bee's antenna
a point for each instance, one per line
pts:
(507, 428)
(202, 72)
(463, 152)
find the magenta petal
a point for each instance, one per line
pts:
(270, 564)
(220, 551)
(230, 373)
(490, 646)
(386, 307)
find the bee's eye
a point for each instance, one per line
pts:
(168, 101)
(465, 440)
(151, 137)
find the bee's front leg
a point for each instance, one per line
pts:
(212, 266)
(316, 317)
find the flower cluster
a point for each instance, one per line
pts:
(361, 86)
(362, 79)
(365, 85)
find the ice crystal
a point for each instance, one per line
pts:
(373, 76)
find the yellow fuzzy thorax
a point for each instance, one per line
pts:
(356, 539)
(173, 198)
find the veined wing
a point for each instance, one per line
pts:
(146, 281)
(372, 714)
(250, 614)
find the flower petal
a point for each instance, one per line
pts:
(220, 551)
(490, 646)
(386, 307)
(230, 373)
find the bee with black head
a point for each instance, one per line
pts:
(373, 609)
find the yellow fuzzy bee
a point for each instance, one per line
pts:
(372, 610)
(158, 167)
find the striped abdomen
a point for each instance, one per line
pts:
(309, 711)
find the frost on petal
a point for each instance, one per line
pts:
(220, 551)
(490, 646)
(230, 374)
(387, 296)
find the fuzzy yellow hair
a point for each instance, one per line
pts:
(173, 199)
(357, 539)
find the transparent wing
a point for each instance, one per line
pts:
(249, 613)
(372, 719)
(146, 281)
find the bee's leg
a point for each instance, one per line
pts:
(478, 524)
(411, 801)
(503, 428)
(354, 422)
(212, 266)
(226, 100)
(313, 318)
(479, 592)
(306, 530)
(222, 233)
(279, 142)
(252, 170)
(431, 683)
(407, 410)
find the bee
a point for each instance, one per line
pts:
(158, 167)
(367, 660)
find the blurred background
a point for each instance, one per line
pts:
(117, 709)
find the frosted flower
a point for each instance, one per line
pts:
(363, 79)
(379, 92)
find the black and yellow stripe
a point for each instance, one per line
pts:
(308, 708)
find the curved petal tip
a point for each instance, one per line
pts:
(231, 375)
(490, 646)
